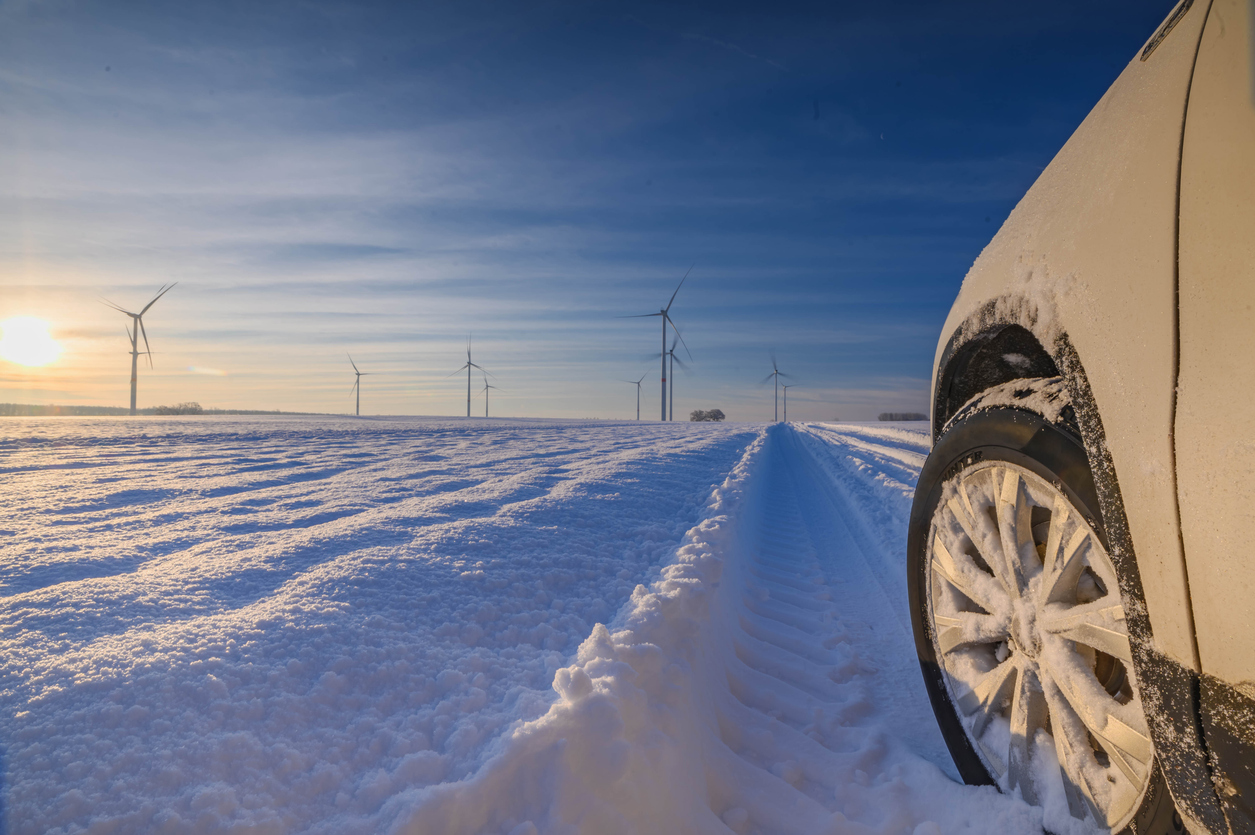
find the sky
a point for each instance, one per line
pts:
(382, 180)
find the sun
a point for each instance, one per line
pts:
(25, 340)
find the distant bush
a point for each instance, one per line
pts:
(902, 416)
(188, 408)
(713, 415)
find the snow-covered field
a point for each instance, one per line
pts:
(442, 626)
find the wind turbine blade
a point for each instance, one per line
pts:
(149, 351)
(766, 379)
(782, 374)
(103, 300)
(350, 356)
(678, 362)
(677, 288)
(643, 376)
(354, 386)
(773, 360)
(680, 337)
(459, 371)
(639, 316)
(164, 289)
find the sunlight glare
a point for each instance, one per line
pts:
(25, 340)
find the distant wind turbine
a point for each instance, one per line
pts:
(665, 313)
(357, 384)
(674, 361)
(485, 391)
(776, 373)
(671, 360)
(133, 331)
(637, 383)
(786, 399)
(469, 365)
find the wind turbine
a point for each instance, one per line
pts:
(637, 383)
(357, 384)
(786, 400)
(665, 313)
(485, 390)
(669, 356)
(469, 365)
(133, 331)
(777, 374)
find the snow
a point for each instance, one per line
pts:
(1044, 396)
(424, 625)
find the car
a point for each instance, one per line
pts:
(1080, 559)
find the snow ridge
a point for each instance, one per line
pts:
(615, 753)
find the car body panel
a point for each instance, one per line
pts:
(1215, 427)
(1215, 422)
(1088, 258)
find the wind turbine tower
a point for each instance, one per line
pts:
(671, 356)
(665, 313)
(786, 400)
(485, 391)
(357, 385)
(133, 332)
(775, 374)
(469, 365)
(637, 383)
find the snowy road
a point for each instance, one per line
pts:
(357, 626)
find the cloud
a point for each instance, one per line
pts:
(734, 48)
(331, 175)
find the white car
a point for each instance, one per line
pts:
(1082, 542)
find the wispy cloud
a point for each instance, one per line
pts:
(734, 48)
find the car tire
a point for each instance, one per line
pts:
(1019, 625)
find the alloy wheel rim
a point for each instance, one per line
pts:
(1030, 634)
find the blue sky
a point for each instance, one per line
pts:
(323, 178)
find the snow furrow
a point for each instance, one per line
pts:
(277, 625)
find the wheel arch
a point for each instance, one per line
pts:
(1010, 338)
(973, 363)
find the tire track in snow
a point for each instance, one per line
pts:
(763, 686)
(828, 715)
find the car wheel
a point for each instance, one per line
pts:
(1020, 626)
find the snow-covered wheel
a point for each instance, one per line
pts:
(1020, 626)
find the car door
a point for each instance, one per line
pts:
(1215, 415)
